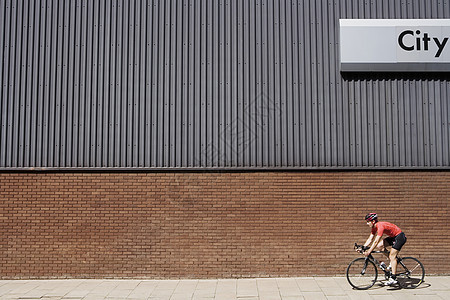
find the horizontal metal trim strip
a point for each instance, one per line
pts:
(220, 169)
(395, 67)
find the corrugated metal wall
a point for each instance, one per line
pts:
(205, 83)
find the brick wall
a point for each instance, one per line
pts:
(209, 225)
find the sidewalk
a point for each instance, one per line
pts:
(224, 289)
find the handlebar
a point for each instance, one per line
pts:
(360, 248)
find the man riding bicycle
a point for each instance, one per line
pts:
(396, 238)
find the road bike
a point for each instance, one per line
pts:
(362, 272)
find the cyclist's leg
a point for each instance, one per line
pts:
(400, 240)
(385, 244)
(393, 259)
(380, 246)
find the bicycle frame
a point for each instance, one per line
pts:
(377, 263)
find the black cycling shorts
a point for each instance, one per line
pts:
(397, 242)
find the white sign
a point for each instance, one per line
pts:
(394, 45)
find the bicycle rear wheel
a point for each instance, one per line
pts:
(410, 272)
(362, 274)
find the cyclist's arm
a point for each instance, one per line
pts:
(369, 240)
(374, 244)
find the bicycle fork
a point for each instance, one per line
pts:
(366, 262)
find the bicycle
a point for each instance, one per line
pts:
(362, 272)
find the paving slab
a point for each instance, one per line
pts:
(185, 289)
(288, 288)
(337, 297)
(164, 289)
(314, 296)
(266, 285)
(143, 290)
(384, 297)
(326, 282)
(226, 289)
(269, 296)
(206, 289)
(246, 288)
(343, 283)
(82, 289)
(308, 285)
(333, 291)
(104, 289)
(358, 295)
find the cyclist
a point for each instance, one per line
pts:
(396, 238)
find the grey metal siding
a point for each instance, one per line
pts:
(206, 83)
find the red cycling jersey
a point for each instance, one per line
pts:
(385, 227)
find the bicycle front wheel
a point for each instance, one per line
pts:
(362, 274)
(410, 272)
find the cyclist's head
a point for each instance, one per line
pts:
(371, 217)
